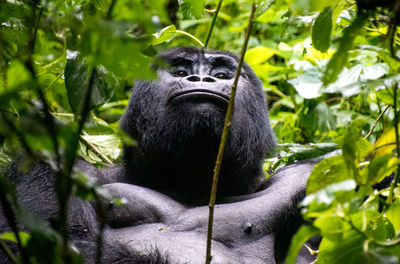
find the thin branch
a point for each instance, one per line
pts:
(212, 23)
(224, 136)
(396, 128)
(96, 151)
(376, 122)
(392, 29)
(8, 252)
(9, 213)
(110, 9)
(64, 182)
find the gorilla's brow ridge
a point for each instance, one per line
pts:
(222, 61)
(180, 61)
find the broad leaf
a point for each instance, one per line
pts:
(192, 9)
(321, 30)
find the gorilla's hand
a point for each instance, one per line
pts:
(246, 228)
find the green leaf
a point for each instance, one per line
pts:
(327, 172)
(77, 82)
(164, 34)
(11, 237)
(386, 255)
(327, 195)
(17, 75)
(258, 55)
(192, 9)
(108, 145)
(332, 227)
(321, 30)
(298, 240)
(379, 168)
(308, 84)
(339, 59)
(393, 213)
(316, 117)
(382, 229)
(355, 148)
(348, 250)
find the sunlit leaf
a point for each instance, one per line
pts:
(328, 171)
(192, 9)
(304, 233)
(332, 227)
(393, 213)
(164, 34)
(23, 236)
(258, 55)
(348, 250)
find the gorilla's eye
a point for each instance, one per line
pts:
(180, 73)
(222, 75)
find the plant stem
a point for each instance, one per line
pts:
(224, 136)
(190, 36)
(376, 122)
(212, 24)
(8, 252)
(110, 9)
(64, 181)
(396, 129)
(392, 29)
(8, 211)
(96, 151)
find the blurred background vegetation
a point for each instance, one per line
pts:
(67, 69)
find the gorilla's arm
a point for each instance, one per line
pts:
(152, 226)
(36, 192)
(247, 229)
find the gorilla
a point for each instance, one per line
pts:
(165, 178)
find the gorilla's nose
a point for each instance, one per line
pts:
(197, 78)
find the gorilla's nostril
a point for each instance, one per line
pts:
(193, 78)
(208, 79)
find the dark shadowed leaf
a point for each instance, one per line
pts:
(321, 30)
(77, 81)
(304, 233)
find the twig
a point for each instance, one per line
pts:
(110, 9)
(8, 252)
(396, 129)
(11, 220)
(96, 151)
(190, 36)
(224, 136)
(392, 29)
(64, 182)
(376, 122)
(212, 24)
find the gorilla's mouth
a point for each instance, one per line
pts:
(199, 95)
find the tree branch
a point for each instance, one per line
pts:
(224, 137)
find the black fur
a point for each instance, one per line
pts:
(178, 142)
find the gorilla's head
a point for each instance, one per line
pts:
(178, 119)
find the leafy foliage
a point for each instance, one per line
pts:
(330, 69)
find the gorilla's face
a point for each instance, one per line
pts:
(178, 121)
(200, 83)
